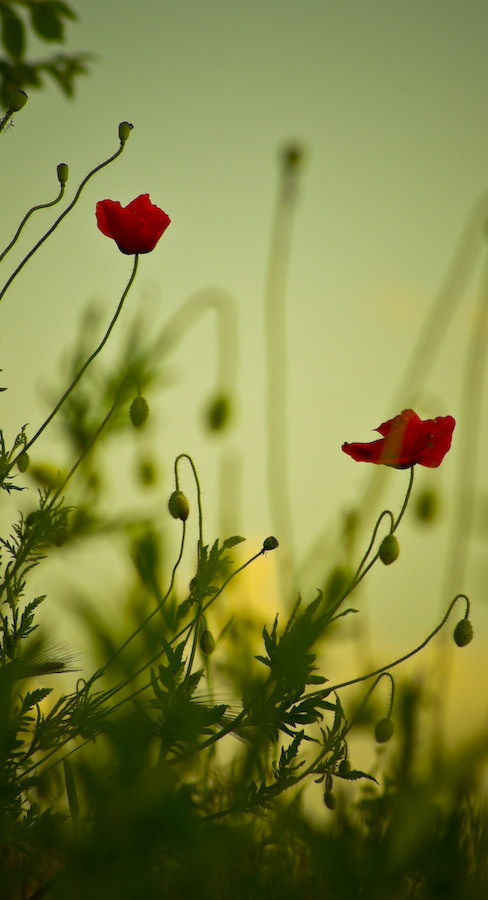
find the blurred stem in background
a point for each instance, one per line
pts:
(468, 443)
(291, 159)
(221, 408)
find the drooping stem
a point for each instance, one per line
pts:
(199, 496)
(28, 215)
(60, 218)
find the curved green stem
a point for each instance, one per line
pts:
(370, 691)
(199, 496)
(87, 363)
(358, 577)
(94, 438)
(28, 215)
(60, 218)
(397, 662)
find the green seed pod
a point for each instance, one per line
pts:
(60, 536)
(138, 412)
(63, 173)
(463, 633)
(207, 643)
(344, 767)
(389, 549)
(270, 544)
(125, 129)
(218, 413)
(178, 506)
(384, 730)
(330, 800)
(23, 462)
(17, 100)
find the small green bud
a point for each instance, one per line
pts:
(427, 506)
(138, 412)
(147, 472)
(463, 633)
(31, 519)
(389, 549)
(270, 544)
(344, 767)
(218, 413)
(17, 100)
(60, 536)
(125, 129)
(207, 643)
(63, 173)
(23, 462)
(178, 506)
(293, 154)
(384, 730)
(330, 800)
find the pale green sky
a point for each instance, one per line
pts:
(391, 101)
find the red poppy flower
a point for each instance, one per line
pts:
(407, 440)
(136, 228)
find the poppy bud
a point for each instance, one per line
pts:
(330, 800)
(23, 462)
(427, 506)
(270, 544)
(17, 100)
(389, 549)
(463, 633)
(207, 643)
(31, 519)
(384, 730)
(60, 536)
(218, 413)
(125, 129)
(178, 506)
(138, 412)
(63, 173)
(344, 767)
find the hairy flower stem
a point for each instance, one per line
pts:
(360, 572)
(87, 363)
(94, 438)
(335, 687)
(199, 496)
(60, 218)
(28, 215)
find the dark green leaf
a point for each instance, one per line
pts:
(13, 33)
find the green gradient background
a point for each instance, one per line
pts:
(390, 100)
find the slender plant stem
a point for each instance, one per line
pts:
(199, 496)
(397, 662)
(28, 215)
(60, 218)
(276, 359)
(87, 363)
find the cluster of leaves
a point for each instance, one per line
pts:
(46, 18)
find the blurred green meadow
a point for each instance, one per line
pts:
(324, 169)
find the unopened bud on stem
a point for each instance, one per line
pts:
(63, 173)
(17, 100)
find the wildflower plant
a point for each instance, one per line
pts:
(191, 793)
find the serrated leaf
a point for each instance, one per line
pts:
(232, 541)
